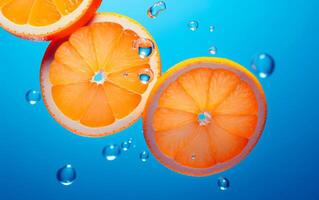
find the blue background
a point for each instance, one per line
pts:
(284, 164)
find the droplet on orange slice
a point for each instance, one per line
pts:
(45, 19)
(91, 80)
(204, 116)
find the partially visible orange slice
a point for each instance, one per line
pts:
(45, 19)
(95, 82)
(204, 116)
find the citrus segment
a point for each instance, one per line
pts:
(204, 116)
(90, 80)
(45, 19)
(43, 13)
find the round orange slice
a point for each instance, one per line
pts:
(204, 116)
(97, 81)
(45, 19)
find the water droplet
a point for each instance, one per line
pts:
(263, 64)
(155, 10)
(125, 145)
(144, 47)
(212, 50)
(144, 155)
(111, 152)
(193, 156)
(33, 96)
(66, 175)
(223, 183)
(193, 25)
(146, 75)
(211, 28)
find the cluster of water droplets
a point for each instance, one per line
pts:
(112, 151)
(193, 25)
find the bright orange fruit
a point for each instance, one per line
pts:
(45, 19)
(96, 82)
(204, 116)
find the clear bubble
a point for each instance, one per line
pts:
(223, 183)
(193, 25)
(111, 152)
(212, 50)
(144, 47)
(33, 96)
(146, 76)
(66, 175)
(211, 28)
(156, 9)
(263, 64)
(144, 155)
(125, 146)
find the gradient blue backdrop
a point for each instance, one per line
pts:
(284, 164)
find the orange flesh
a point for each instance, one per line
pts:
(37, 12)
(230, 102)
(100, 47)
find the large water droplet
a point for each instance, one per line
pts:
(212, 50)
(263, 64)
(145, 76)
(66, 175)
(33, 96)
(144, 155)
(223, 183)
(144, 47)
(193, 25)
(155, 10)
(111, 152)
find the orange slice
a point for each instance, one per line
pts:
(204, 116)
(45, 19)
(95, 82)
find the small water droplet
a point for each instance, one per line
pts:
(146, 76)
(211, 28)
(193, 156)
(33, 96)
(223, 183)
(193, 25)
(144, 47)
(156, 9)
(212, 50)
(66, 175)
(144, 155)
(263, 64)
(111, 152)
(125, 145)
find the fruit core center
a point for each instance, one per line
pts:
(99, 77)
(204, 118)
